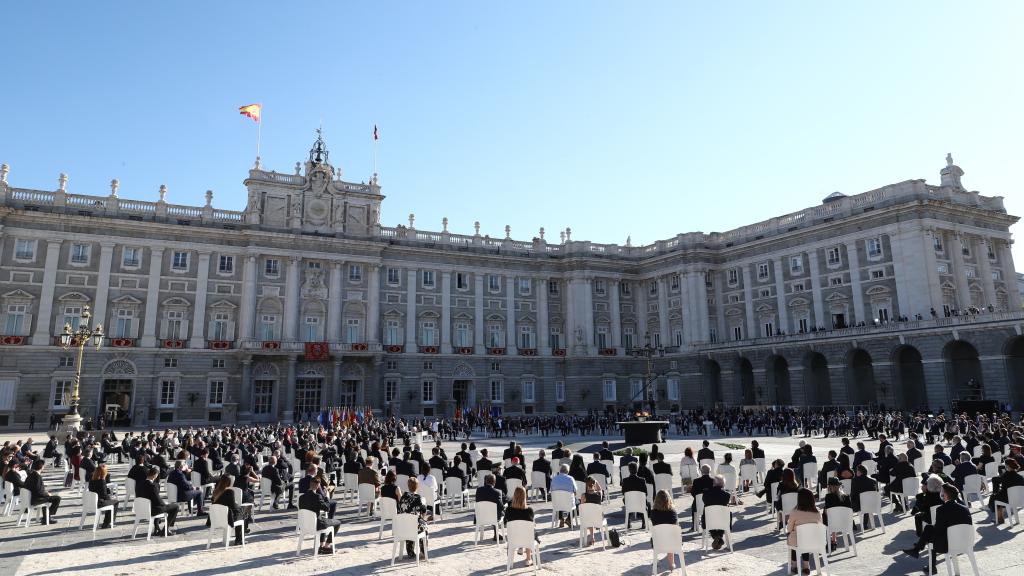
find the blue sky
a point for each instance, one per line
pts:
(614, 118)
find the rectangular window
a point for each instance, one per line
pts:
(602, 336)
(625, 288)
(737, 333)
(734, 277)
(762, 271)
(394, 276)
(528, 390)
(796, 264)
(599, 287)
(391, 365)
(874, 247)
(497, 391)
(427, 392)
(226, 265)
(970, 272)
(965, 247)
(942, 269)
(179, 261)
(833, 257)
(62, 393)
(877, 274)
(937, 243)
(461, 281)
(79, 253)
(219, 363)
(272, 267)
(556, 338)
(798, 287)
(652, 288)
(495, 336)
(428, 278)
(494, 283)
(355, 272)
(803, 325)
(495, 366)
(673, 388)
(131, 257)
(675, 282)
(314, 265)
(656, 339)
(66, 362)
(428, 366)
(170, 362)
(997, 275)
(463, 338)
(216, 396)
(734, 298)
(268, 327)
(835, 281)
(167, 393)
(353, 330)
(73, 316)
(174, 323)
(392, 333)
(526, 337)
(713, 335)
(220, 326)
(764, 293)
(627, 337)
(609, 389)
(677, 337)
(553, 287)
(525, 286)
(25, 249)
(124, 323)
(390, 390)
(883, 315)
(769, 329)
(429, 334)
(636, 389)
(559, 391)
(311, 329)
(15, 320)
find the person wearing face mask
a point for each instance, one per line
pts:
(950, 513)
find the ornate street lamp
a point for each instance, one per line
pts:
(79, 338)
(649, 352)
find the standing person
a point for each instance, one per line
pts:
(804, 513)
(35, 486)
(32, 422)
(519, 510)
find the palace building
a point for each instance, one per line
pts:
(903, 296)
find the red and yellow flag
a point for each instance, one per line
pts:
(251, 110)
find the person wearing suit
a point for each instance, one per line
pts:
(716, 496)
(516, 471)
(604, 453)
(314, 501)
(901, 471)
(1001, 486)
(597, 467)
(542, 464)
(35, 486)
(627, 458)
(924, 501)
(964, 469)
(488, 493)
(509, 452)
(699, 487)
(861, 455)
(705, 453)
(104, 496)
(271, 473)
(950, 513)
(661, 467)
(225, 496)
(13, 475)
(149, 491)
(484, 463)
(454, 471)
(860, 484)
(204, 467)
(186, 491)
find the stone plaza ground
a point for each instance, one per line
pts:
(759, 548)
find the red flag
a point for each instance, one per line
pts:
(252, 111)
(375, 133)
(317, 351)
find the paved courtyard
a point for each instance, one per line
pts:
(759, 549)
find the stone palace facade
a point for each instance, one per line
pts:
(901, 296)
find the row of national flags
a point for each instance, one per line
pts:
(344, 416)
(255, 111)
(480, 412)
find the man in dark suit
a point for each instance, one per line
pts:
(950, 513)
(558, 453)
(14, 477)
(305, 480)
(406, 467)
(148, 490)
(755, 450)
(861, 455)
(705, 453)
(88, 465)
(271, 473)
(487, 493)
(437, 462)
(716, 496)
(454, 471)
(542, 464)
(634, 483)
(484, 463)
(597, 467)
(605, 453)
(35, 486)
(516, 471)
(203, 466)
(858, 485)
(509, 452)
(964, 469)
(699, 486)
(900, 471)
(661, 467)
(186, 491)
(626, 459)
(316, 503)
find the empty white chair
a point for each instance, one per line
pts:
(810, 539)
(623, 473)
(144, 513)
(402, 481)
(871, 466)
(368, 498)
(973, 486)
(454, 491)
(920, 465)
(265, 493)
(389, 509)
(521, 534)
(762, 468)
(847, 484)
(129, 492)
(871, 505)
(1015, 501)
(610, 466)
(716, 518)
(307, 529)
(511, 484)
(197, 481)
(810, 471)
(948, 469)
(788, 504)
(961, 541)
(667, 539)
(538, 483)
(906, 494)
(90, 503)
(506, 463)
(172, 492)
(405, 528)
(439, 479)
(635, 503)
(840, 522)
(9, 497)
(562, 501)
(663, 482)
(480, 475)
(351, 491)
(977, 451)
(219, 521)
(991, 470)
(592, 516)
(485, 516)
(710, 463)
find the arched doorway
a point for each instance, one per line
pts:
(817, 381)
(908, 377)
(963, 371)
(745, 379)
(712, 383)
(778, 380)
(1015, 370)
(860, 378)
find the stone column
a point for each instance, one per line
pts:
(1009, 275)
(587, 286)
(934, 288)
(410, 311)
(663, 325)
(334, 300)
(45, 321)
(510, 316)
(247, 311)
(478, 312)
(570, 315)
(543, 330)
(819, 301)
(198, 339)
(963, 292)
(616, 314)
(156, 259)
(719, 308)
(446, 312)
(289, 401)
(686, 306)
(780, 296)
(336, 384)
(99, 311)
(859, 315)
(702, 306)
(373, 304)
(640, 297)
(291, 303)
(245, 392)
(748, 301)
(985, 269)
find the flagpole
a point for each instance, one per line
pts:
(374, 149)
(259, 134)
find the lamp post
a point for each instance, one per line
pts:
(79, 338)
(647, 351)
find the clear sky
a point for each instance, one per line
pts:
(613, 118)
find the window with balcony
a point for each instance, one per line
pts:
(875, 248)
(495, 336)
(463, 335)
(769, 329)
(628, 337)
(311, 329)
(15, 324)
(555, 338)
(124, 323)
(72, 316)
(175, 321)
(526, 337)
(268, 327)
(353, 330)
(602, 337)
(677, 337)
(737, 333)
(392, 332)
(428, 333)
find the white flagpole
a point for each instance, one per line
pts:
(259, 134)
(374, 149)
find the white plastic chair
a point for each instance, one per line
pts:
(405, 528)
(480, 475)
(810, 539)
(977, 451)
(688, 472)
(840, 522)
(351, 491)
(1015, 501)
(920, 466)
(592, 516)
(521, 534)
(511, 484)
(9, 497)
(907, 492)
(810, 471)
(388, 510)
(748, 473)
(486, 515)
(871, 466)
(28, 509)
(663, 482)
(562, 501)
(788, 504)
(716, 518)
(265, 493)
(439, 479)
(368, 498)
(991, 470)
(142, 508)
(948, 469)
(623, 473)
(172, 493)
(762, 468)
(219, 521)
(197, 481)
(402, 481)
(538, 483)
(609, 465)
(307, 529)
(454, 491)
(90, 502)
(635, 502)
(961, 539)
(871, 505)
(667, 539)
(847, 484)
(129, 491)
(973, 486)
(710, 463)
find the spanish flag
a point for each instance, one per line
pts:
(252, 111)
